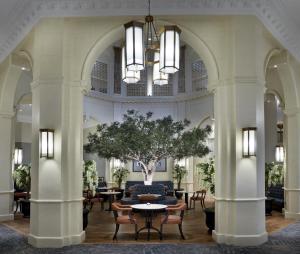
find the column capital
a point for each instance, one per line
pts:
(238, 81)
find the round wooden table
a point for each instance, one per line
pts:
(148, 211)
(111, 195)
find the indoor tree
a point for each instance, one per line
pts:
(139, 137)
(90, 176)
(120, 174)
(178, 173)
(207, 171)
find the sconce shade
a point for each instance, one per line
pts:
(169, 49)
(18, 158)
(47, 143)
(134, 46)
(279, 153)
(249, 142)
(128, 76)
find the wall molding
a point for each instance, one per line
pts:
(241, 199)
(27, 13)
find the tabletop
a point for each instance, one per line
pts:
(110, 192)
(149, 206)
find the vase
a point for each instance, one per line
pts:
(148, 179)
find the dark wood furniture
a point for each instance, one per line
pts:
(198, 196)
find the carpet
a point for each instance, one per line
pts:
(286, 241)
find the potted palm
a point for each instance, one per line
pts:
(207, 171)
(119, 175)
(22, 178)
(178, 174)
(90, 183)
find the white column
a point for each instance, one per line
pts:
(6, 151)
(57, 103)
(240, 197)
(292, 151)
(270, 127)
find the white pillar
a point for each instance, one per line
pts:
(292, 177)
(270, 127)
(240, 196)
(6, 182)
(56, 184)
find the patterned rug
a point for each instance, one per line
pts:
(286, 241)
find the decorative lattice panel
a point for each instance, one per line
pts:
(139, 88)
(199, 76)
(99, 77)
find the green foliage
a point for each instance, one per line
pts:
(178, 173)
(22, 178)
(90, 176)
(207, 171)
(141, 138)
(120, 174)
(273, 174)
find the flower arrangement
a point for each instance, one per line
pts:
(273, 174)
(207, 171)
(90, 176)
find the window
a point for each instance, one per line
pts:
(199, 76)
(164, 90)
(139, 88)
(181, 73)
(117, 70)
(99, 77)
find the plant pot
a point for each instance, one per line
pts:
(210, 218)
(25, 207)
(85, 219)
(177, 194)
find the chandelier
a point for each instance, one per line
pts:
(148, 49)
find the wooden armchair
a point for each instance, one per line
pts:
(198, 196)
(122, 218)
(170, 218)
(89, 199)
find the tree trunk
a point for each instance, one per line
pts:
(148, 172)
(148, 179)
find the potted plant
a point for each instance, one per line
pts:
(146, 140)
(90, 183)
(207, 171)
(273, 177)
(178, 173)
(119, 175)
(22, 178)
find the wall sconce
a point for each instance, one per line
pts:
(47, 143)
(279, 153)
(249, 142)
(18, 158)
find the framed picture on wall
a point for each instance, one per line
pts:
(161, 166)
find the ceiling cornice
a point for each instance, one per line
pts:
(28, 13)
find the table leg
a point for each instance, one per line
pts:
(186, 199)
(109, 201)
(148, 226)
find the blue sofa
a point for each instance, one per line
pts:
(168, 184)
(145, 189)
(277, 194)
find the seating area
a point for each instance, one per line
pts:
(276, 193)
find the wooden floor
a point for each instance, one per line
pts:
(101, 227)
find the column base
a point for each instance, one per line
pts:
(6, 217)
(240, 240)
(291, 215)
(55, 242)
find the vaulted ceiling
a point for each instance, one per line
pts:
(17, 17)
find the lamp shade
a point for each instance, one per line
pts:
(47, 143)
(18, 158)
(249, 142)
(279, 153)
(128, 76)
(134, 46)
(159, 78)
(169, 49)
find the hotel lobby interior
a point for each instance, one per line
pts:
(149, 126)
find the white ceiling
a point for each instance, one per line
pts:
(17, 17)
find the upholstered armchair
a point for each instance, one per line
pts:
(171, 218)
(198, 196)
(89, 199)
(123, 215)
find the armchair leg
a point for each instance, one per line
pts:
(181, 233)
(116, 232)
(136, 233)
(161, 231)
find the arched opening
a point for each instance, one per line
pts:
(185, 96)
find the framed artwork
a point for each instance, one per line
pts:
(161, 166)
